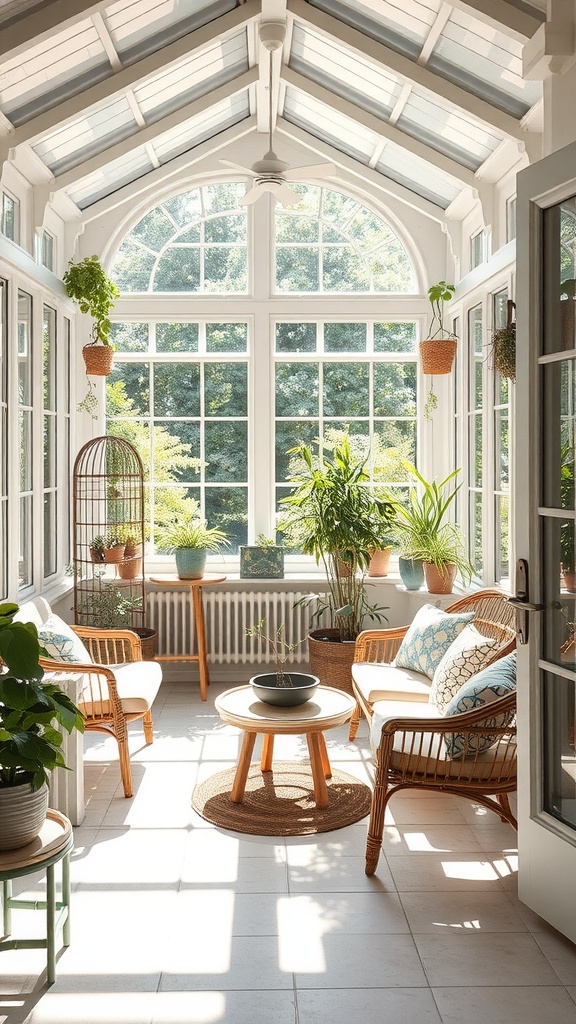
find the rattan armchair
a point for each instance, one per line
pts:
(495, 617)
(117, 688)
(412, 753)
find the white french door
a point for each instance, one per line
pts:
(545, 537)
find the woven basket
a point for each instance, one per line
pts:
(148, 641)
(330, 659)
(98, 359)
(437, 355)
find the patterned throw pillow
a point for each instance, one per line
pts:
(429, 636)
(469, 654)
(498, 680)
(61, 643)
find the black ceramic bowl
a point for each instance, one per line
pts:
(303, 687)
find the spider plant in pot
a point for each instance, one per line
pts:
(190, 541)
(31, 709)
(286, 689)
(443, 556)
(330, 515)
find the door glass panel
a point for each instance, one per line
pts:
(559, 721)
(559, 379)
(560, 277)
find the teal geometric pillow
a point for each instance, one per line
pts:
(429, 636)
(498, 680)
(61, 643)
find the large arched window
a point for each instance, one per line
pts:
(224, 361)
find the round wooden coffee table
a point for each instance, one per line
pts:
(327, 709)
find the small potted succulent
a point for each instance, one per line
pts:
(437, 351)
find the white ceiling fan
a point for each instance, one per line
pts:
(271, 174)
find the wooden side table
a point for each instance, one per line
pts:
(195, 588)
(328, 708)
(54, 844)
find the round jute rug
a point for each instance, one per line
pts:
(281, 802)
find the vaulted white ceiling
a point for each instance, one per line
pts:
(427, 94)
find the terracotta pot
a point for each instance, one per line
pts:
(130, 568)
(437, 355)
(379, 562)
(569, 581)
(115, 554)
(439, 582)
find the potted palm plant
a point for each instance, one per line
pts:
(425, 534)
(330, 514)
(190, 541)
(30, 711)
(437, 351)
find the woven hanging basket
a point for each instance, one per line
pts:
(98, 359)
(437, 355)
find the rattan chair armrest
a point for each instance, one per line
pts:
(475, 720)
(110, 646)
(379, 644)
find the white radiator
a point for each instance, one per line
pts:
(227, 615)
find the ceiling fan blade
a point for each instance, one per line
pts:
(252, 195)
(312, 171)
(284, 195)
(237, 167)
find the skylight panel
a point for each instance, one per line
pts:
(143, 26)
(418, 176)
(329, 125)
(202, 127)
(401, 24)
(108, 180)
(73, 143)
(447, 129)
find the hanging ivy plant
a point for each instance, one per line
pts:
(503, 349)
(88, 283)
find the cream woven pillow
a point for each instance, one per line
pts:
(469, 653)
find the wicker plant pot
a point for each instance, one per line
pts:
(439, 582)
(331, 659)
(437, 355)
(148, 641)
(98, 359)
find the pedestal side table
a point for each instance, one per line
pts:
(52, 845)
(328, 708)
(197, 608)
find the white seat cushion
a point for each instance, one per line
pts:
(380, 681)
(138, 683)
(385, 710)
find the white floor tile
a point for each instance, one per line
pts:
(478, 958)
(370, 1006)
(510, 1005)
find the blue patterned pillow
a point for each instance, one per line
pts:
(429, 636)
(498, 680)
(61, 643)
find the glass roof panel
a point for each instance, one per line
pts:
(401, 24)
(58, 67)
(486, 62)
(109, 179)
(417, 175)
(87, 135)
(344, 71)
(202, 127)
(138, 27)
(181, 83)
(328, 124)
(447, 129)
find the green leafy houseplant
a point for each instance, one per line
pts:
(29, 708)
(109, 608)
(332, 516)
(89, 285)
(438, 349)
(190, 541)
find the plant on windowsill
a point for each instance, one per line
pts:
(263, 560)
(438, 349)
(190, 541)
(30, 710)
(286, 689)
(330, 514)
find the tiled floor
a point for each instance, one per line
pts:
(177, 922)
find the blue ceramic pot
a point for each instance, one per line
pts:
(411, 572)
(190, 563)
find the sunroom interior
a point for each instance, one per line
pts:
(259, 311)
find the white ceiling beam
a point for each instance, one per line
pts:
(46, 19)
(157, 179)
(154, 131)
(436, 30)
(387, 131)
(107, 41)
(385, 57)
(502, 15)
(116, 85)
(366, 174)
(400, 102)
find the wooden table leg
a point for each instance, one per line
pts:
(267, 752)
(237, 794)
(324, 755)
(320, 787)
(200, 640)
